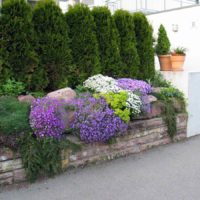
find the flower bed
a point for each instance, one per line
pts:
(108, 117)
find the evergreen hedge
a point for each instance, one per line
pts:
(144, 38)
(53, 44)
(163, 43)
(108, 41)
(18, 59)
(128, 51)
(83, 43)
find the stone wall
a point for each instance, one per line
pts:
(142, 135)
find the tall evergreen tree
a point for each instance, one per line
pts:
(128, 51)
(18, 59)
(53, 43)
(83, 43)
(108, 41)
(144, 38)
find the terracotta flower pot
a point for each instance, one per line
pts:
(165, 62)
(177, 62)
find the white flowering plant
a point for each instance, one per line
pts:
(101, 84)
(134, 103)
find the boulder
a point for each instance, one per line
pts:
(156, 89)
(65, 94)
(26, 98)
(151, 98)
(157, 109)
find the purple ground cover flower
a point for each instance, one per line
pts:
(46, 117)
(134, 85)
(95, 120)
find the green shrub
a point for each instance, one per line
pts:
(163, 43)
(117, 102)
(53, 43)
(159, 81)
(12, 88)
(37, 94)
(169, 93)
(179, 51)
(19, 59)
(108, 41)
(128, 51)
(144, 38)
(14, 116)
(83, 44)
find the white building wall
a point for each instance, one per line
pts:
(187, 23)
(188, 35)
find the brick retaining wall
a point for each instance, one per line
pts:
(142, 135)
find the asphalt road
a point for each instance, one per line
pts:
(171, 172)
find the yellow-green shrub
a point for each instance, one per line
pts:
(117, 101)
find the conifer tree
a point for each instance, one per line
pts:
(18, 59)
(53, 43)
(163, 43)
(144, 38)
(128, 51)
(83, 43)
(108, 41)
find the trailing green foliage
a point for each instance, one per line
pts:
(83, 44)
(117, 102)
(17, 55)
(144, 38)
(170, 118)
(128, 51)
(159, 81)
(14, 116)
(170, 97)
(12, 88)
(108, 41)
(53, 44)
(42, 156)
(163, 43)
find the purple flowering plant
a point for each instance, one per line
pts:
(46, 117)
(95, 121)
(134, 85)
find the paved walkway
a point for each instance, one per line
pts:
(171, 172)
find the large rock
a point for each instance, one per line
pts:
(26, 98)
(157, 109)
(156, 90)
(66, 94)
(152, 98)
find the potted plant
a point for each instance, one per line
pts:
(178, 58)
(163, 49)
